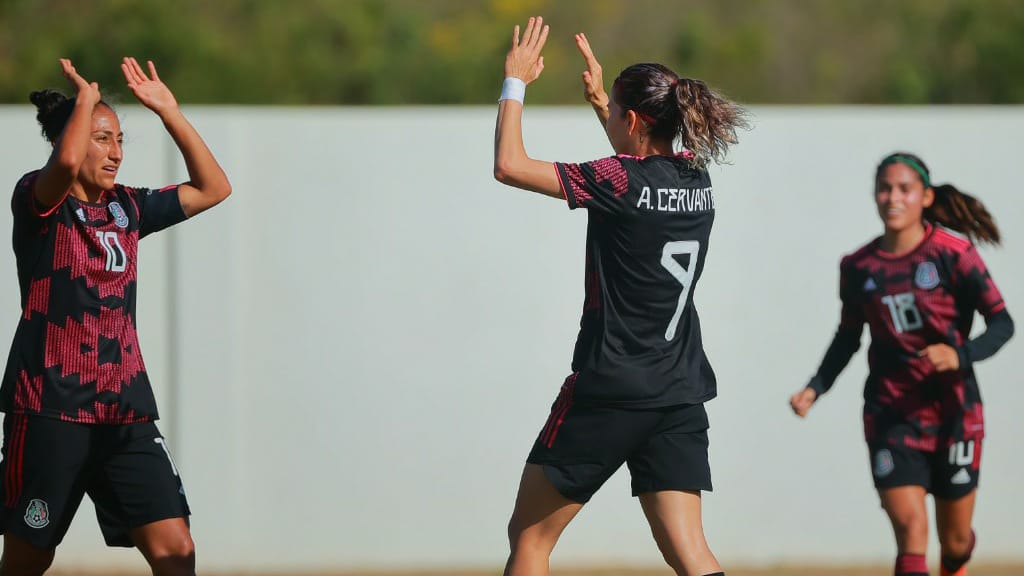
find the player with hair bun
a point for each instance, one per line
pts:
(917, 287)
(79, 408)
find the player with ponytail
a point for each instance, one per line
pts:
(639, 376)
(917, 287)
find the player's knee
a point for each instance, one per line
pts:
(956, 542)
(911, 524)
(176, 556)
(523, 540)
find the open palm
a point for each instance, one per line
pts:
(150, 91)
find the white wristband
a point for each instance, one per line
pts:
(513, 89)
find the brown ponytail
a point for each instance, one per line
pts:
(704, 122)
(951, 208)
(709, 121)
(964, 213)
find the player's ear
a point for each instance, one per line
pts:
(928, 198)
(633, 124)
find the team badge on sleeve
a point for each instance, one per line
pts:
(120, 218)
(37, 515)
(927, 276)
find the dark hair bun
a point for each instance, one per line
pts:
(47, 101)
(53, 111)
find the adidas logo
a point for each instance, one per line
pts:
(961, 477)
(870, 285)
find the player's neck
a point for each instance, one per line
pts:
(85, 195)
(900, 242)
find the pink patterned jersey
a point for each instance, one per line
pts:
(927, 296)
(75, 354)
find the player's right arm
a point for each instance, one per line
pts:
(844, 345)
(512, 165)
(55, 179)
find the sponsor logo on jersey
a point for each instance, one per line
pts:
(883, 463)
(870, 285)
(37, 515)
(927, 276)
(120, 218)
(80, 214)
(961, 477)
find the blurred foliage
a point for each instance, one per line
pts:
(452, 51)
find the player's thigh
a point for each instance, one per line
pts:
(45, 470)
(138, 483)
(674, 455)
(581, 446)
(541, 513)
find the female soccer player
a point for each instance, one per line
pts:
(639, 374)
(79, 408)
(917, 287)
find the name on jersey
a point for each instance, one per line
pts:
(676, 199)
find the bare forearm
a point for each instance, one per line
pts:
(67, 156)
(203, 170)
(508, 137)
(512, 165)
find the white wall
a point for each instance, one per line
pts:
(366, 338)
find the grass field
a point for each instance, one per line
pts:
(980, 570)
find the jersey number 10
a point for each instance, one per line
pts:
(117, 261)
(683, 275)
(905, 316)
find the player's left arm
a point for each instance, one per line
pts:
(976, 291)
(512, 165)
(208, 184)
(980, 290)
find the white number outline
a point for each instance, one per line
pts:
(904, 312)
(117, 260)
(683, 275)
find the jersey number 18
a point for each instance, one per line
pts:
(905, 316)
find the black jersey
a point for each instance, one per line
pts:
(76, 353)
(649, 221)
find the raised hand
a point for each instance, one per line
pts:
(802, 401)
(593, 77)
(524, 60)
(150, 91)
(85, 89)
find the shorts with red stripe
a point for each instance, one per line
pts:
(582, 445)
(49, 464)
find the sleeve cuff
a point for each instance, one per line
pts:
(817, 385)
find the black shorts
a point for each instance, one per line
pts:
(49, 464)
(947, 474)
(581, 446)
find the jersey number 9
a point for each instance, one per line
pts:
(683, 275)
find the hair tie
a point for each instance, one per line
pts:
(675, 82)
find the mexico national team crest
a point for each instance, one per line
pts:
(37, 515)
(120, 218)
(883, 463)
(927, 276)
